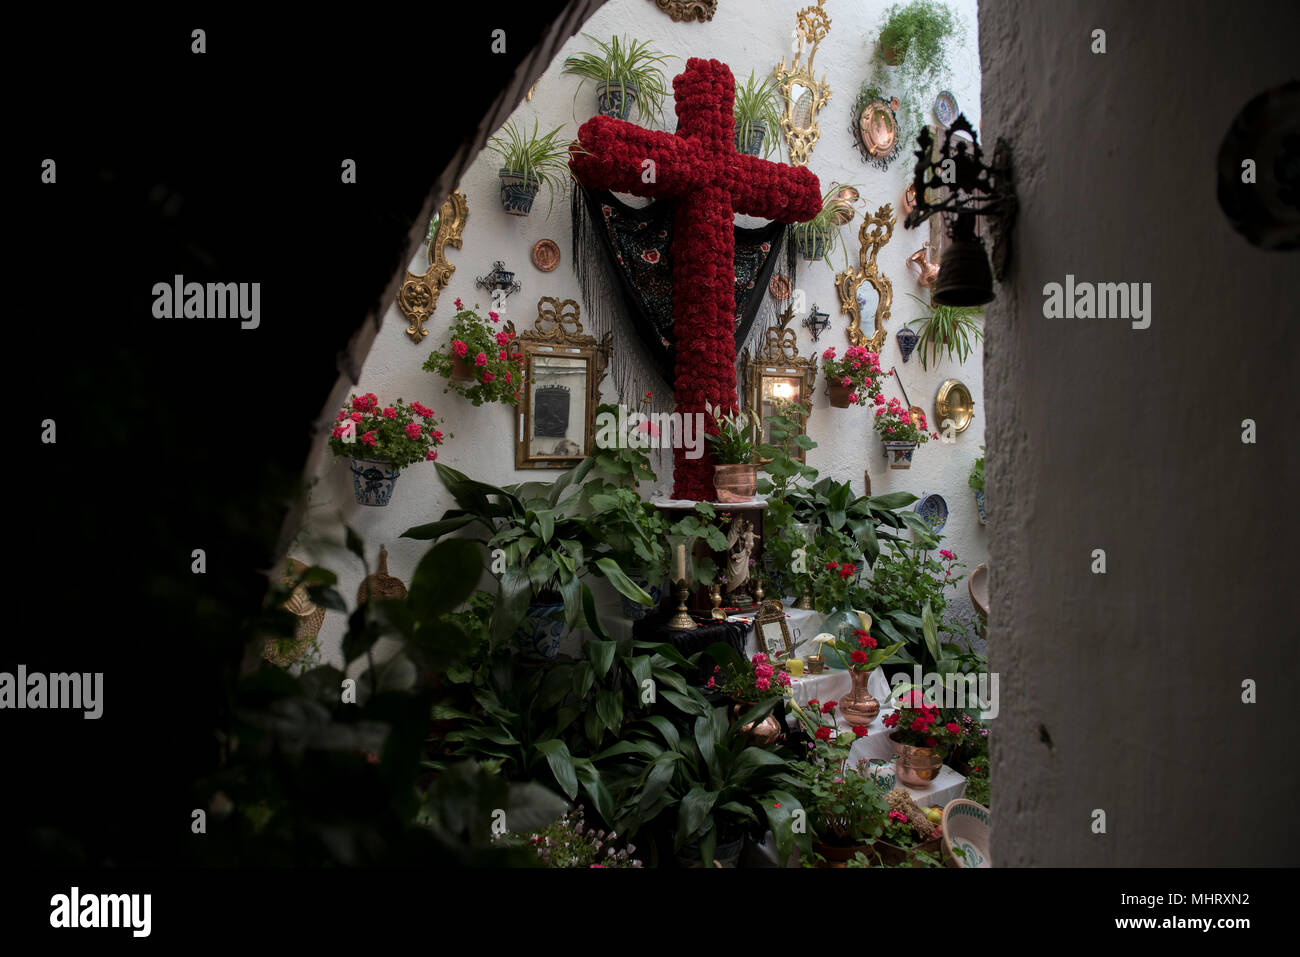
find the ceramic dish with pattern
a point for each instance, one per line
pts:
(945, 108)
(934, 509)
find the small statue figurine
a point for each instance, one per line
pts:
(740, 542)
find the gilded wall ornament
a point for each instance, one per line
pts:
(804, 95)
(875, 232)
(418, 296)
(686, 10)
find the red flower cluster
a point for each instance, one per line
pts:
(847, 570)
(700, 168)
(864, 640)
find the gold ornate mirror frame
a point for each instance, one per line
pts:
(557, 332)
(772, 632)
(812, 24)
(418, 296)
(779, 359)
(875, 232)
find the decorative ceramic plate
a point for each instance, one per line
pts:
(945, 108)
(546, 254)
(966, 829)
(934, 510)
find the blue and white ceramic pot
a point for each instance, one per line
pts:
(749, 138)
(979, 506)
(615, 99)
(373, 481)
(900, 454)
(907, 340)
(542, 628)
(518, 192)
(636, 611)
(812, 243)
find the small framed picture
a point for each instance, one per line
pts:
(772, 631)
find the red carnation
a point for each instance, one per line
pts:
(858, 657)
(860, 730)
(824, 734)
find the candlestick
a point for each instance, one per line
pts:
(682, 620)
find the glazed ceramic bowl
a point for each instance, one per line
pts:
(966, 830)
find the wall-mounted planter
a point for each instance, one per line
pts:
(372, 481)
(979, 506)
(518, 192)
(812, 243)
(542, 629)
(907, 340)
(900, 454)
(615, 99)
(749, 139)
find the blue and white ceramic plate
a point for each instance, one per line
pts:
(945, 108)
(934, 510)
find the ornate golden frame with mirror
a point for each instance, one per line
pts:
(875, 232)
(563, 369)
(418, 296)
(804, 95)
(772, 632)
(777, 374)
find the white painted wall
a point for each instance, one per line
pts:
(745, 35)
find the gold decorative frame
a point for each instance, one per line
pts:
(812, 24)
(769, 613)
(779, 359)
(418, 296)
(557, 331)
(875, 232)
(687, 10)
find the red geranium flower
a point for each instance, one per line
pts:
(860, 730)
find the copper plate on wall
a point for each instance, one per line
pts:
(546, 254)
(780, 287)
(878, 129)
(953, 402)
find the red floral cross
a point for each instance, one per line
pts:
(699, 167)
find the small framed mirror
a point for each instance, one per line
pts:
(563, 369)
(866, 286)
(804, 94)
(777, 375)
(772, 631)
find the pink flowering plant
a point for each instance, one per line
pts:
(895, 422)
(859, 372)
(750, 682)
(490, 353)
(399, 434)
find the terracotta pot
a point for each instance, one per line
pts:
(461, 370)
(893, 56)
(735, 483)
(915, 767)
(839, 395)
(837, 856)
(859, 706)
(891, 855)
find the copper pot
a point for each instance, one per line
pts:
(859, 706)
(761, 733)
(461, 370)
(735, 483)
(915, 767)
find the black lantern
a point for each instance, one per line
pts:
(955, 181)
(817, 322)
(500, 282)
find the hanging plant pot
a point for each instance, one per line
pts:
(518, 192)
(542, 628)
(749, 139)
(812, 243)
(735, 483)
(373, 481)
(979, 506)
(615, 99)
(461, 369)
(900, 454)
(839, 395)
(907, 340)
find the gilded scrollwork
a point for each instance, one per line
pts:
(875, 233)
(418, 296)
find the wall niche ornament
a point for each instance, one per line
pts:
(875, 233)
(778, 375)
(563, 370)
(418, 296)
(804, 94)
(683, 11)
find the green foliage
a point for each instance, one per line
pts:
(733, 444)
(398, 434)
(919, 33)
(621, 63)
(541, 159)
(757, 104)
(498, 375)
(950, 330)
(976, 480)
(824, 226)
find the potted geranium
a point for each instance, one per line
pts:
(626, 72)
(901, 431)
(750, 684)
(976, 482)
(381, 440)
(920, 737)
(758, 118)
(529, 161)
(853, 380)
(861, 655)
(735, 475)
(479, 362)
(844, 807)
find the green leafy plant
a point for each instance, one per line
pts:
(824, 228)
(622, 63)
(734, 442)
(492, 356)
(917, 36)
(757, 105)
(844, 806)
(399, 434)
(896, 423)
(951, 330)
(976, 480)
(571, 842)
(534, 157)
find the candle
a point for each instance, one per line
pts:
(681, 563)
(795, 667)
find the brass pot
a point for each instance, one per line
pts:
(915, 767)
(859, 706)
(816, 664)
(761, 733)
(735, 483)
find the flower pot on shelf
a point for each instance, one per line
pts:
(615, 99)
(518, 192)
(839, 395)
(915, 767)
(542, 628)
(979, 506)
(735, 483)
(859, 706)
(749, 138)
(900, 454)
(373, 481)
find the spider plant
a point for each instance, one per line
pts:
(756, 107)
(629, 67)
(825, 226)
(954, 329)
(537, 159)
